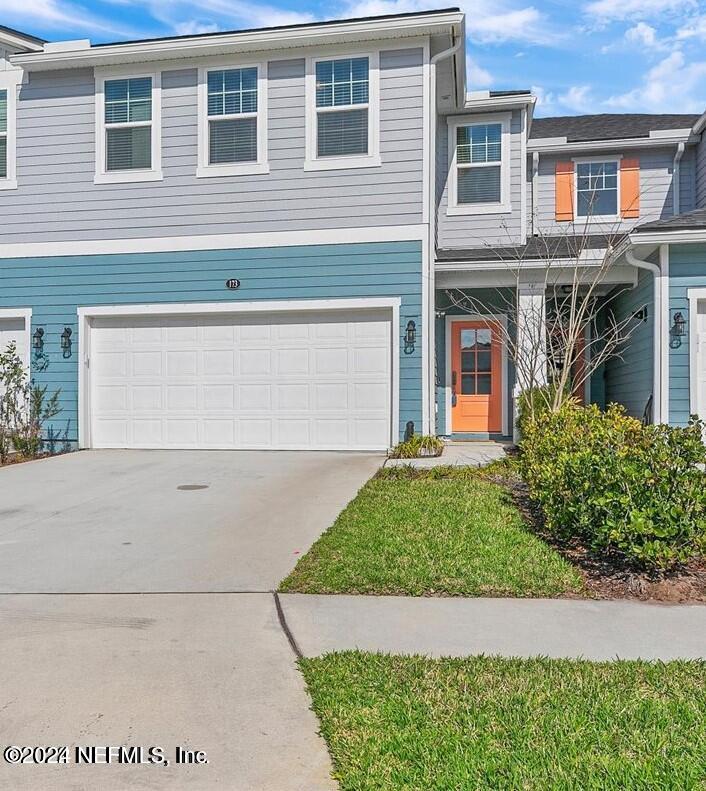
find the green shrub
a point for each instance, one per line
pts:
(416, 446)
(534, 402)
(626, 489)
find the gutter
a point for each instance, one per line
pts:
(660, 360)
(456, 44)
(676, 180)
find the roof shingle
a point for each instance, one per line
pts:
(614, 126)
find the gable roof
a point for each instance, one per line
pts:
(608, 126)
(18, 38)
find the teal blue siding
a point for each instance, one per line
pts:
(55, 287)
(493, 300)
(687, 269)
(628, 378)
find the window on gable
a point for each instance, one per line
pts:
(128, 124)
(597, 189)
(479, 164)
(232, 107)
(342, 107)
(3, 134)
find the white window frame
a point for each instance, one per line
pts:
(370, 160)
(104, 176)
(596, 217)
(261, 165)
(9, 81)
(504, 206)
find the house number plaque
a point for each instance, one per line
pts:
(233, 282)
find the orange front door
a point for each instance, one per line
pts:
(476, 376)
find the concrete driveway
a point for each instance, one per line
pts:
(134, 612)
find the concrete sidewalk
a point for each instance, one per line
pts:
(597, 630)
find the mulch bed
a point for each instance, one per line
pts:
(610, 578)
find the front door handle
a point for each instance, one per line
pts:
(454, 379)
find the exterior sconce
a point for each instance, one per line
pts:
(641, 314)
(679, 326)
(66, 342)
(410, 337)
(38, 341)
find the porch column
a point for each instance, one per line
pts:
(531, 363)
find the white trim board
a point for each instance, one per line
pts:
(500, 318)
(85, 314)
(226, 241)
(694, 295)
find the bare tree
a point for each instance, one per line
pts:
(561, 326)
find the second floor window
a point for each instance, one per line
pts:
(597, 189)
(342, 97)
(479, 163)
(128, 124)
(3, 134)
(232, 116)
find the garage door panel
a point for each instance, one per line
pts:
(229, 381)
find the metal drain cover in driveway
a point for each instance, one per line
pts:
(191, 487)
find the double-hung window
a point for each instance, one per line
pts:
(342, 113)
(8, 97)
(597, 189)
(232, 121)
(479, 166)
(128, 115)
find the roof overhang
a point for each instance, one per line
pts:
(665, 236)
(18, 40)
(482, 101)
(657, 139)
(286, 38)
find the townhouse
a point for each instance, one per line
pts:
(257, 239)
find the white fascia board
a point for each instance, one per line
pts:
(247, 41)
(17, 41)
(490, 103)
(685, 236)
(589, 258)
(226, 241)
(559, 145)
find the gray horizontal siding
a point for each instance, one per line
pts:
(58, 201)
(628, 377)
(656, 199)
(480, 229)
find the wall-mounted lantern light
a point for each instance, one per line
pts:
(410, 337)
(38, 341)
(66, 342)
(679, 326)
(640, 314)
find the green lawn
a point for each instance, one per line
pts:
(426, 534)
(415, 724)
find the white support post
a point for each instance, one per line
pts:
(531, 343)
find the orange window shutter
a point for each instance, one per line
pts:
(629, 188)
(564, 191)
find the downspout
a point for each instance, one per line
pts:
(676, 180)
(657, 364)
(431, 309)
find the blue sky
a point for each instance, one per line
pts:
(585, 56)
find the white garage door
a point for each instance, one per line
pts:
(294, 381)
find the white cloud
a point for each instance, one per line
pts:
(193, 27)
(56, 14)
(636, 9)
(642, 34)
(694, 28)
(478, 77)
(673, 85)
(487, 21)
(577, 99)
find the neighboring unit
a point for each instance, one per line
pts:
(269, 238)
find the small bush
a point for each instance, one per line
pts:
(626, 489)
(536, 401)
(416, 446)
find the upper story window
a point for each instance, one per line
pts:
(597, 189)
(232, 121)
(128, 129)
(342, 113)
(480, 169)
(8, 94)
